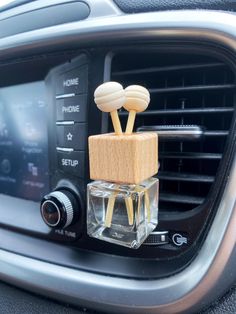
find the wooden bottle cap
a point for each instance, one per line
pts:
(137, 98)
(109, 96)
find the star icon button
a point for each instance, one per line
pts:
(69, 136)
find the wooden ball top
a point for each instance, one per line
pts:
(109, 96)
(137, 98)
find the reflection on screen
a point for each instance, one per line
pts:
(23, 141)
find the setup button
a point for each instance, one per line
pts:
(72, 163)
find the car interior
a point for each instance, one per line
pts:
(117, 156)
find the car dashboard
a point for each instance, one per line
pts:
(53, 56)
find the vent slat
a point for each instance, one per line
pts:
(180, 112)
(216, 133)
(185, 177)
(196, 156)
(195, 88)
(183, 67)
(183, 199)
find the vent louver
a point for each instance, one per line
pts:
(185, 90)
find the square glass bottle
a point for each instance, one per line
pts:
(122, 214)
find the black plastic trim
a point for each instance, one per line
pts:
(133, 6)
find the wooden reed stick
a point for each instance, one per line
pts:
(130, 210)
(116, 122)
(111, 202)
(138, 210)
(110, 209)
(130, 122)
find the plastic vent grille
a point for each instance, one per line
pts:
(185, 90)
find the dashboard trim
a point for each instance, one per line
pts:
(99, 7)
(213, 269)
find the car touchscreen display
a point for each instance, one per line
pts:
(24, 141)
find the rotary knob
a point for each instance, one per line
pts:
(59, 209)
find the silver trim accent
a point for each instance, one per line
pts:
(159, 232)
(65, 96)
(213, 269)
(65, 122)
(175, 132)
(98, 8)
(59, 214)
(208, 25)
(64, 149)
(67, 205)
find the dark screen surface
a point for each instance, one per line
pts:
(24, 141)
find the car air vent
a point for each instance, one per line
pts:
(187, 90)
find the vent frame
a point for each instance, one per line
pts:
(204, 213)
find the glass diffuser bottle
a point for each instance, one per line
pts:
(122, 202)
(133, 216)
